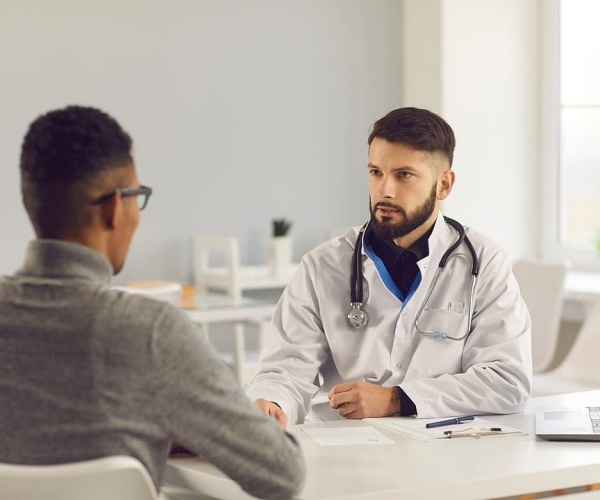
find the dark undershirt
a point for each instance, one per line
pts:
(402, 265)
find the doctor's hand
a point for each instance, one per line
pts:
(272, 410)
(361, 400)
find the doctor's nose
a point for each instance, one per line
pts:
(387, 189)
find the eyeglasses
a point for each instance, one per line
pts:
(141, 193)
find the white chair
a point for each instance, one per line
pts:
(217, 270)
(116, 477)
(579, 370)
(542, 289)
(217, 266)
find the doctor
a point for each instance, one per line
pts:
(437, 329)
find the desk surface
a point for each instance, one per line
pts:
(582, 285)
(581, 290)
(219, 307)
(258, 277)
(450, 469)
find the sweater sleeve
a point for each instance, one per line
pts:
(203, 407)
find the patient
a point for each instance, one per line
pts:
(87, 371)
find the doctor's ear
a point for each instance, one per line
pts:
(445, 183)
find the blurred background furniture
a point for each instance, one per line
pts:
(221, 309)
(160, 290)
(582, 289)
(579, 370)
(217, 268)
(542, 289)
(117, 477)
(218, 272)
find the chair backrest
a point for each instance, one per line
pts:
(116, 477)
(581, 362)
(542, 289)
(217, 265)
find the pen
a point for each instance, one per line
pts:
(474, 433)
(450, 421)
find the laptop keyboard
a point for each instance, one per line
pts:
(595, 418)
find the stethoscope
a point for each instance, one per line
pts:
(357, 317)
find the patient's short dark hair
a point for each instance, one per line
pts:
(65, 154)
(418, 128)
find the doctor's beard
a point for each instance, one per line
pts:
(387, 230)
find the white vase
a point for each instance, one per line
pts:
(280, 255)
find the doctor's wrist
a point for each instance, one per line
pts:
(406, 407)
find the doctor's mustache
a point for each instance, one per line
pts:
(386, 204)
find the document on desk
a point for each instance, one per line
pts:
(415, 428)
(339, 436)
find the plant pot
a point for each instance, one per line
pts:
(280, 255)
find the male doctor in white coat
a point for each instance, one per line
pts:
(431, 347)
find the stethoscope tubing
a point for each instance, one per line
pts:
(357, 317)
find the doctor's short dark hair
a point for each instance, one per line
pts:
(418, 128)
(66, 155)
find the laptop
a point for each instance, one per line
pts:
(568, 424)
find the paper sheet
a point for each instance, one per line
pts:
(339, 436)
(415, 428)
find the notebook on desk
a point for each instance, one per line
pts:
(568, 424)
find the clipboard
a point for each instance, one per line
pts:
(415, 428)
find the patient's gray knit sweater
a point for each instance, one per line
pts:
(87, 371)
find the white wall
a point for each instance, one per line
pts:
(241, 111)
(486, 86)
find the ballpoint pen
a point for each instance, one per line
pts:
(474, 433)
(450, 421)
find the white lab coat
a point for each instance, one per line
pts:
(312, 347)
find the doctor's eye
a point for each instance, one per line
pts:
(403, 174)
(374, 172)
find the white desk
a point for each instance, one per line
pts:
(220, 308)
(449, 469)
(581, 290)
(257, 277)
(260, 277)
(240, 309)
(215, 308)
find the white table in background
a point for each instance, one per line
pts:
(260, 278)
(249, 278)
(218, 308)
(581, 290)
(465, 469)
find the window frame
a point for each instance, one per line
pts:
(552, 249)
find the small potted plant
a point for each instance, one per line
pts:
(281, 227)
(280, 248)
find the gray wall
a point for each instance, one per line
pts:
(241, 111)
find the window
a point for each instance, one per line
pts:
(571, 118)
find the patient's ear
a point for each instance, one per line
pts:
(112, 211)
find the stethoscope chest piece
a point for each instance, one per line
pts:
(357, 317)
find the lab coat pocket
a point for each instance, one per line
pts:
(449, 323)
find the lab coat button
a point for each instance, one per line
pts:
(404, 313)
(399, 365)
